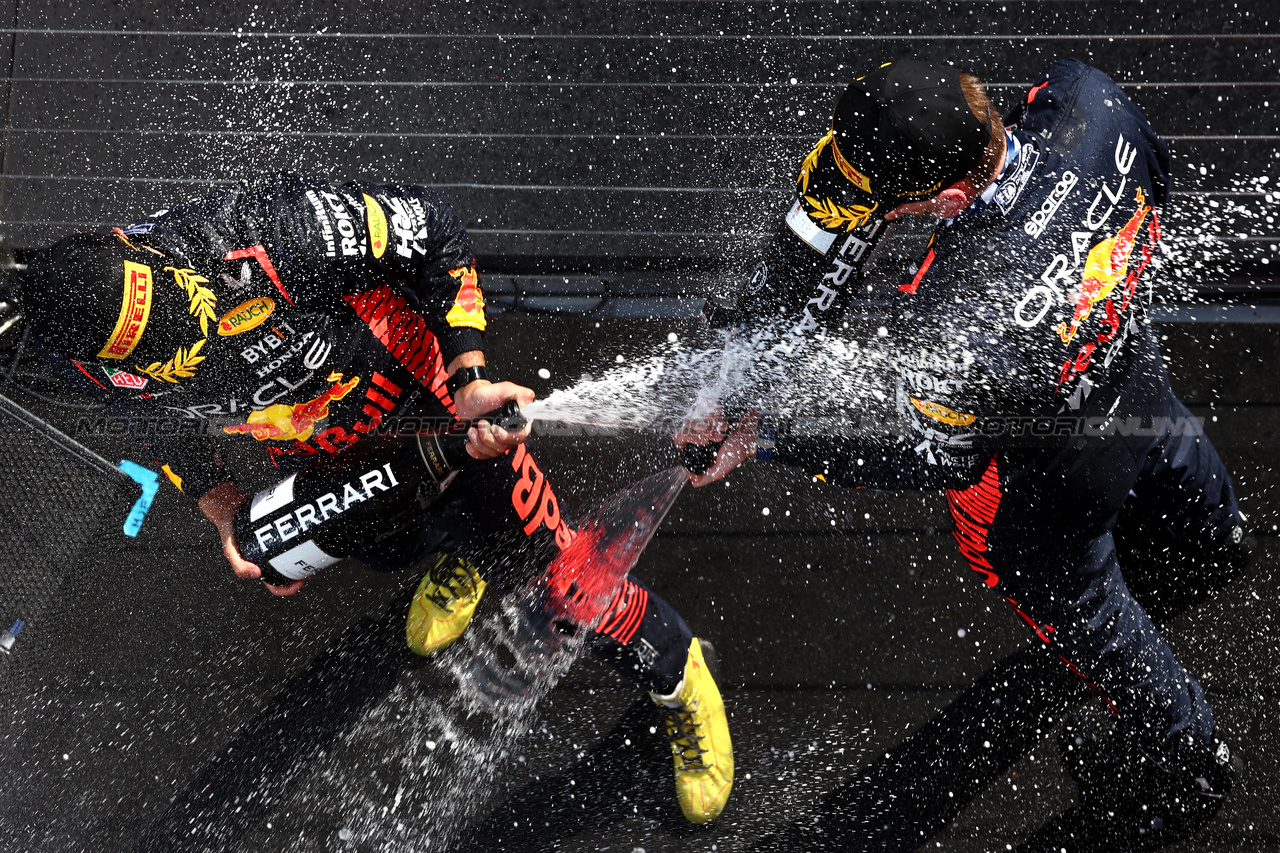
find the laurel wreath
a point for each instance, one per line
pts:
(201, 298)
(181, 366)
(832, 215)
(201, 303)
(810, 162)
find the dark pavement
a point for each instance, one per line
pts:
(173, 708)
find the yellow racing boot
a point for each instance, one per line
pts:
(443, 605)
(699, 734)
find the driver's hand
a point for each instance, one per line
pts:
(739, 446)
(219, 505)
(704, 430)
(486, 440)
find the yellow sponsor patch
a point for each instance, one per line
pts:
(855, 177)
(135, 309)
(246, 316)
(377, 225)
(941, 413)
(468, 305)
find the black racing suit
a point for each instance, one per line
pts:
(1026, 382)
(357, 296)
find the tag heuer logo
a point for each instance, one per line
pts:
(124, 379)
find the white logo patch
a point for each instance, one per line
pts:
(1040, 219)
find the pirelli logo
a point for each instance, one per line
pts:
(858, 179)
(134, 311)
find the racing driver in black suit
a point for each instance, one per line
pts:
(303, 314)
(1025, 381)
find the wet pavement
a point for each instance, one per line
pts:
(168, 706)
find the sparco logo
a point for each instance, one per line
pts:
(1036, 225)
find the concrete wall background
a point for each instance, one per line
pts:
(621, 131)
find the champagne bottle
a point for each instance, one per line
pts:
(322, 514)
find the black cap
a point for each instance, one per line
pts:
(98, 297)
(902, 133)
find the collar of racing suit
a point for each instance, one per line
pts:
(1013, 148)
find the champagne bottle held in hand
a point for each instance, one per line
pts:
(325, 513)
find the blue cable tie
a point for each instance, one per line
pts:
(8, 638)
(765, 441)
(150, 482)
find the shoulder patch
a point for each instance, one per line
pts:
(941, 413)
(468, 305)
(1010, 189)
(377, 225)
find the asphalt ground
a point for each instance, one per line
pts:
(168, 706)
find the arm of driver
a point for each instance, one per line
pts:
(486, 440)
(219, 505)
(702, 430)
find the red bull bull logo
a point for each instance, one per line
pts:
(468, 305)
(280, 422)
(1106, 265)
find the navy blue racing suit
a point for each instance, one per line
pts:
(355, 296)
(1027, 384)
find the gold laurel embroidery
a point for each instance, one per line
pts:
(202, 299)
(811, 161)
(832, 215)
(181, 366)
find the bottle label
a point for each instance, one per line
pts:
(271, 499)
(433, 457)
(302, 561)
(316, 512)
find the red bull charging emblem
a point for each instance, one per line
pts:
(280, 422)
(1105, 266)
(468, 305)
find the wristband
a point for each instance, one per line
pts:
(765, 440)
(465, 376)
